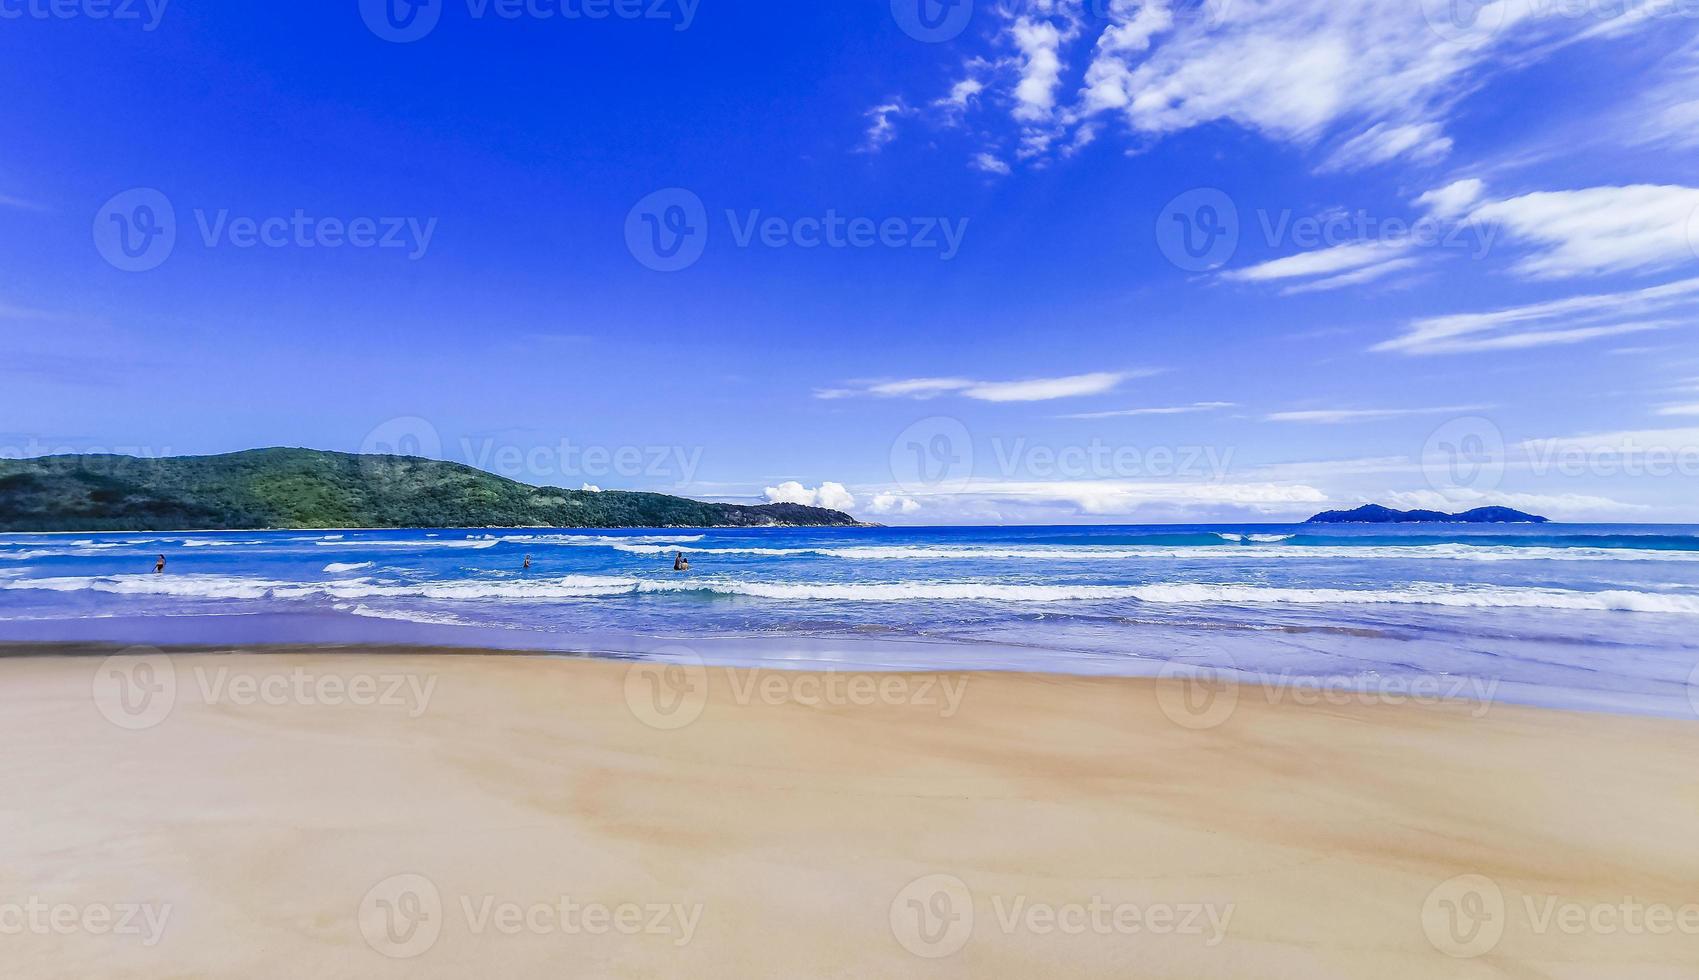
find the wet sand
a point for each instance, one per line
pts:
(391, 813)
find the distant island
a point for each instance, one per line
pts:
(310, 489)
(1376, 514)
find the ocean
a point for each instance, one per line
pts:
(1597, 617)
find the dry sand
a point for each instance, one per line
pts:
(514, 816)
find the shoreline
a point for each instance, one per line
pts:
(349, 635)
(284, 808)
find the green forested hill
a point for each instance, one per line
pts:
(304, 488)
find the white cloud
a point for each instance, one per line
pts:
(1368, 273)
(590, 488)
(1453, 199)
(1564, 321)
(1047, 389)
(830, 495)
(892, 503)
(1614, 446)
(1170, 410)
(1336, 416)
(1121, 497)
(1331, 268)
(1378, 74)
(880, 129)
(1692, 409)
(1637, 228)
(962, 94)
(1031, 390)
(990, 164)
(1423, 142)
(1040, 44)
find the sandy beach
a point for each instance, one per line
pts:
(391, 813)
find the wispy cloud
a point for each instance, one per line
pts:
(1454, 198)
(1597, 230)
(1564, 321)
(1030, 390)
(1376, 79)
(881, 130)
(1339, 416)
(1136, 412)
(1330, 268)
(7, 201)
(1423, 142)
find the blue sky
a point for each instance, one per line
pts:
(1042, 261)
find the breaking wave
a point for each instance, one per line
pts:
(606, 586)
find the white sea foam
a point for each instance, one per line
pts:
(404, 615)
(336, 568)
(600, 586)
(1082, 553)
(657, 541)
(477, 544)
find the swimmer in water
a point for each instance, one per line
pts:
(681, 563)
(527, 563)
(159, 566)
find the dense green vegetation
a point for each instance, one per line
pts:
(304, 488)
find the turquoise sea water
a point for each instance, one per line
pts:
(1571, 615)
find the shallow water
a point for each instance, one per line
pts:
(1577, 616)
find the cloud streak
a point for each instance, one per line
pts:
(1029, 390)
